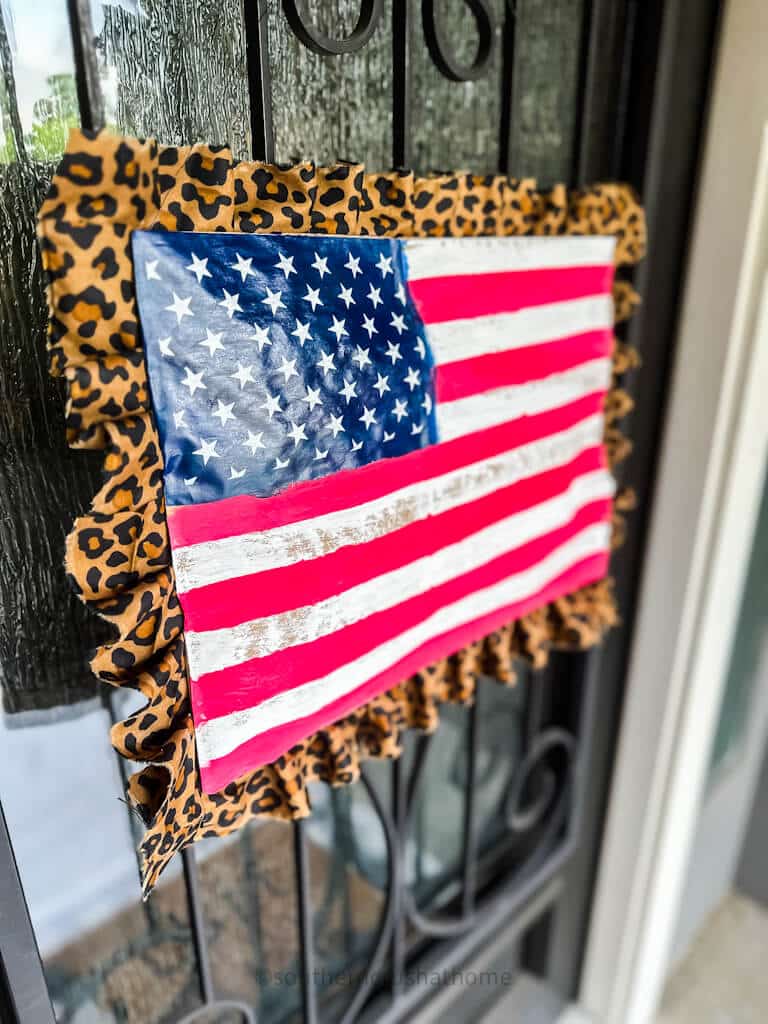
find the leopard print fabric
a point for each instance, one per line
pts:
(118, 554)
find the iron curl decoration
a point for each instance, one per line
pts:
(440, 49)
(314, 39)
(551, 800)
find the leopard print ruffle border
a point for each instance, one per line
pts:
(118, 554)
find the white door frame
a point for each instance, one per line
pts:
(709, 486)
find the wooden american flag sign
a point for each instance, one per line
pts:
(376, 451)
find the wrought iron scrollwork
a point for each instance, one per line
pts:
(552, 784)
(440, 49)
(301, 22)
(371, 11)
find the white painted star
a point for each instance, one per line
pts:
(313, 297)
(298, 433)
(361, 357)
(368, 418)
(413, 378)
(398, 322)
(235, 474)
(349, 390)
(178, 418)
(312, 397)
(199, 268)
(254, 442)
(320, 264)
(302, 332)
(374, 294)
(212, 341)
(381, 384)
(282, 463)
(288, 369)
(224, 412)
(231, 303)
(207, 450)
(243, 266)
(243, 374)
(274, 300)
(426, 405)
(150, 269)
(420, 348)
(325, 362)
(385, 265)
(165, 347)
(320, 454)
(285, 263)
(190, 481)
(400, 410)
(272, 405)
(369, 326)
(356, 446)
(400, 293)
(353, 265)
(338, 328)
(194, 381)
(393, 351)
(334, 424)
(389, 436)
(346, 296)
(180, 307)
(416, 429)
(260, 336)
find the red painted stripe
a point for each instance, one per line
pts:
(248, 683)
(305, 583)
(268, 747)
(519, 366)
(465, 296)
(231, 517)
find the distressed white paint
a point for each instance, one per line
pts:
(492, 408)
(210, 562)
(455, 340)
(444, 257)
(215, 649)
(220, 736)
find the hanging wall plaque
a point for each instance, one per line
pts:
(345, 472)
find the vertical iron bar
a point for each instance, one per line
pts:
(12, 103)
(401, 83)
(587, 53)
(24, 995)
(399, 816)
(469, 844)
(89, 95)
(625, 83)
(306, 936)
(259, 79)
(197, 925)
(507, 82)
(135, 827)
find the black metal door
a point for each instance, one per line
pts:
(436, 880)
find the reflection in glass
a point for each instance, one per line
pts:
(107, 956)
(38, 103)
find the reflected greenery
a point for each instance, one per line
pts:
(54, 115)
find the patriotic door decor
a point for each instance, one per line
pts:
(347, 468)
(375, 451)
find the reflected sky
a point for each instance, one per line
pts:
(38, 33)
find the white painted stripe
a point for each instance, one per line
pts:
(213, 561)
(491, 408)
(444, 257)
(455, 340)
(220, 736)
(216, 649)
